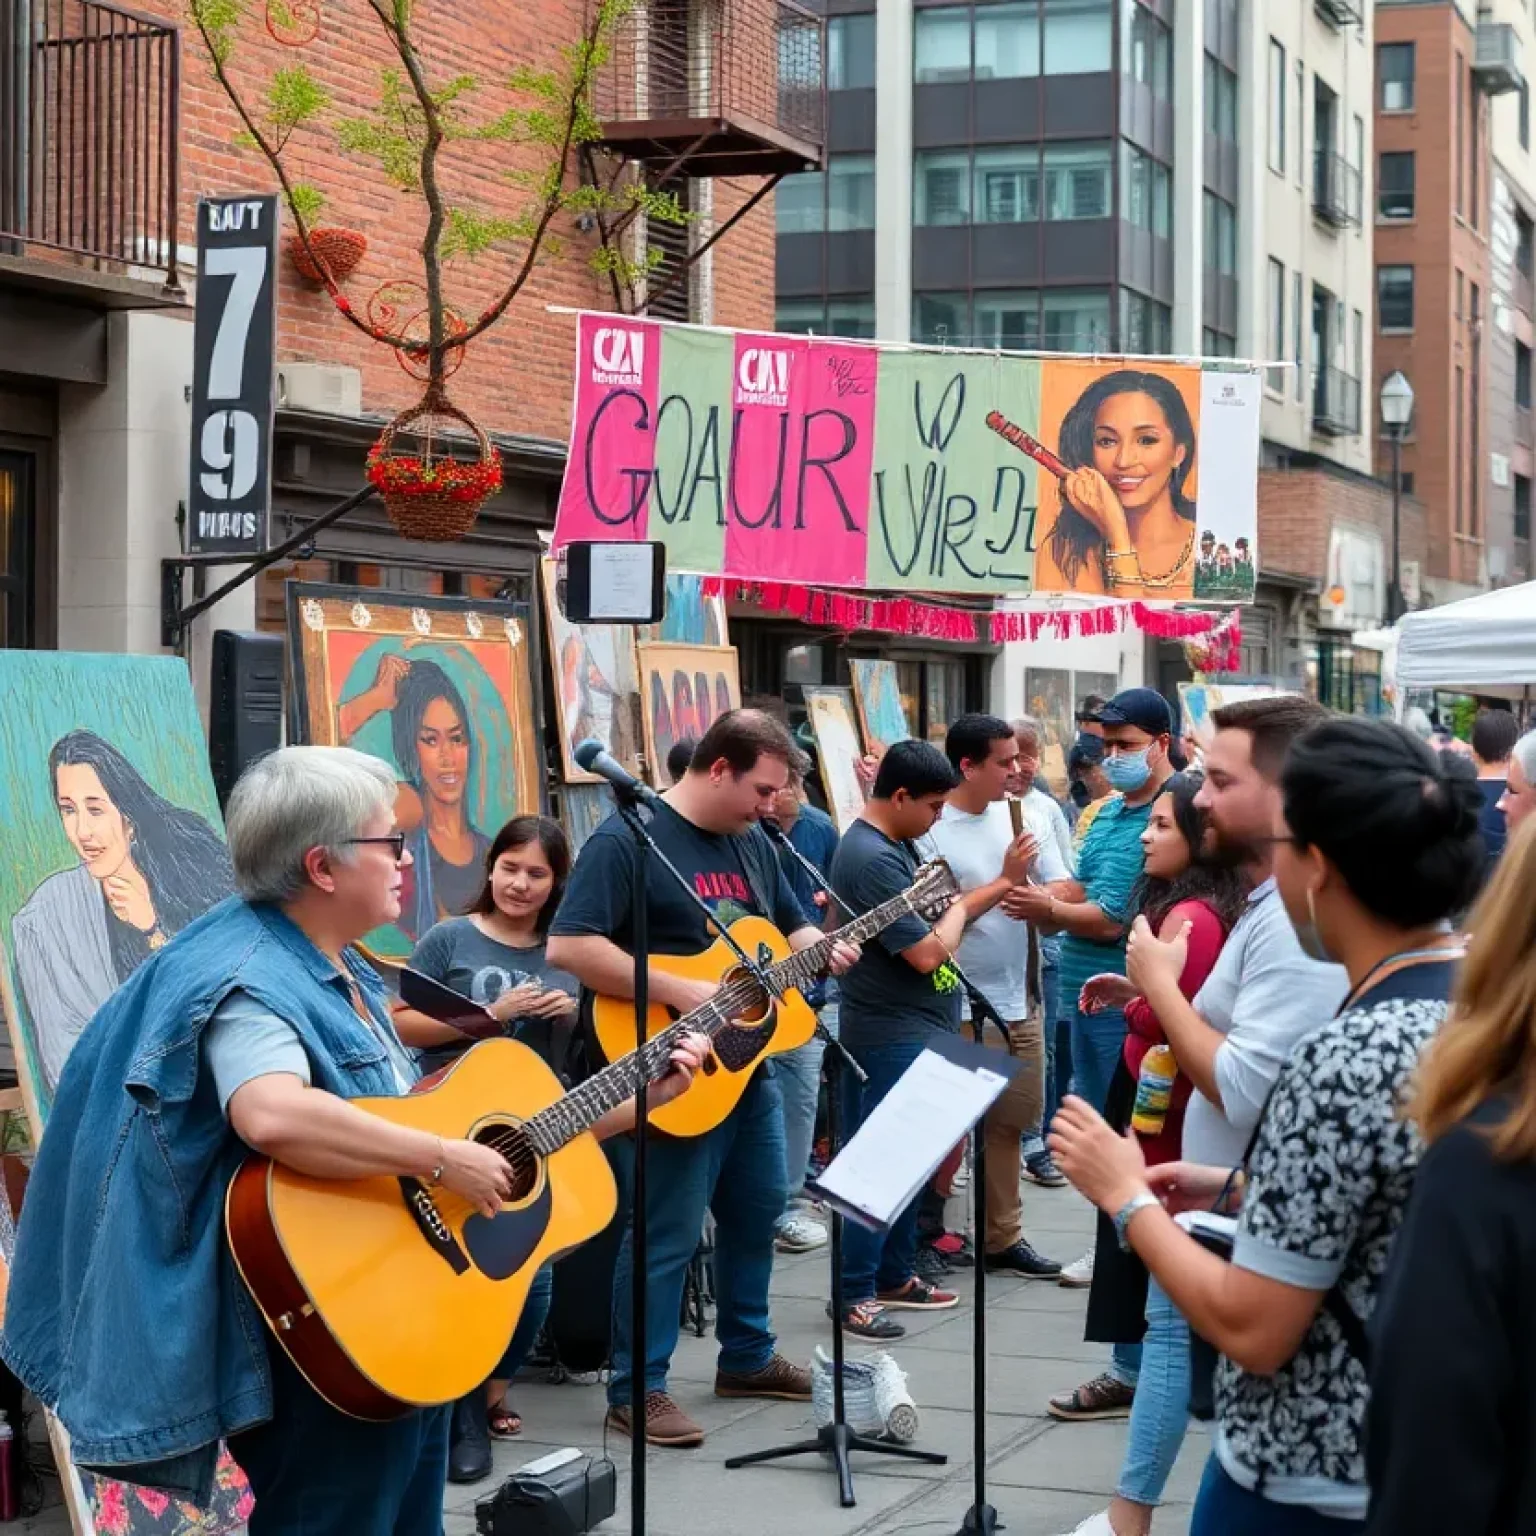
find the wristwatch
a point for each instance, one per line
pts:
(1137, 1202)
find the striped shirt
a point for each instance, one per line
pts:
(1108, 867)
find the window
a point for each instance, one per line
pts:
(1461, 136)
(943, 191)
(1146, 327)
(851, 316)
(1221, 101)
(1275, 377)
(1358, 334)
(1394, 298)
(1007, 321)
(1300, 114)
(1079, 37)
(1007, 189)
(1471, 98)
(851, 52)
(1405, 481)
(1220, 235)
(941, 41)
(1395, 184)
(1525, 115)
(1074, 319)
(1149, 51)
(799, 204)
(850, 192)
(1394, 77)
(1522, 376)
(1146, 193)
(1522, 507)
(1458, 471)
(1276, 106)
(941, 317)
(1461, 296)
(1007, 41)
(1359, 145)
(1298, 331)
(800, 317)
(1216, 344)
(1525, 244)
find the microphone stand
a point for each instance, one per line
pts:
(836, 1439)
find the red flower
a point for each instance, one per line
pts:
(153, 1500)
(111, 1508)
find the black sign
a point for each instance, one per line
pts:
(233, 352)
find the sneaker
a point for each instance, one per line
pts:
(1078, 1275)
(799, 1234)
(1104, 1397)
(665, 1423)
(918, 1296)
(1023, 1261)
(953, 1247)
(868, 1320)
(1040, 1168)
(1094, 1525)
(931, 1265)
(780, 1378)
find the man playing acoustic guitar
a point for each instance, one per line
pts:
(251, 1029)
(707, 826)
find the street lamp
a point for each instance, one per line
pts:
(1396, 412)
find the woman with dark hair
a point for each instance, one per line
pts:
(1377, 845)
(436, 755)
(147, 868)
(1125, 526)
(495, 955)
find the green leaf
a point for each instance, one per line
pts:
(293, 98)
(218, 21)
(471, 234)
(306, 201)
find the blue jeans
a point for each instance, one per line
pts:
(317, 1472)
(877, 1261)
(1050, 1007)
(535, 1310)
(1097, 1041)
(743, 1160)
(1160, 1414)
(799, 1077)
(1223, 1508)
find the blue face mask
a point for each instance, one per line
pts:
(1128, 771)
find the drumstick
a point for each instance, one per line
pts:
(1026, 444)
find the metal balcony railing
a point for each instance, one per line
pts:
(1340, 13)
(716, 87)
(1335, 189)
(89, 126)
(1496, 62)
(1336, 403)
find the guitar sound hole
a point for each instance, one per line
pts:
(756, 1013)
(509, 1140)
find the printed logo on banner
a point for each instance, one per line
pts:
(618, 357)
(762, 377)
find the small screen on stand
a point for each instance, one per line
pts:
(617, 583)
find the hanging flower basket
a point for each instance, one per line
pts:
(431, 496)
(340, 249)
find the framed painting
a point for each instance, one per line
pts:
(1048, 697)
(685, 688)
(691, 617)
(882, 715)
(110, 845)
(837, 749)
(597, 686)
(1105, 684)
(441, 689)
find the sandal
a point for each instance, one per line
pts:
(504, 1423)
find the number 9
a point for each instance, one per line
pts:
(234, 467)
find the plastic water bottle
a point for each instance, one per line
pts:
(1154, 1091)
(9, 1502)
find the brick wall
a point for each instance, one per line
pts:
(1299, 507)
(516, 379)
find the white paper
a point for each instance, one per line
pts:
(621, 578)
(934, 1103)
(1210, 1222)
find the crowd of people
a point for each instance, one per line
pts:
(1272, 997)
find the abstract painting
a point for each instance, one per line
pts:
(877, 693)
(837, 747)
(685, 688)
(442, 690)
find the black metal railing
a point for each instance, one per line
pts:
(1340, 13)
(1335, 189)
(90, 104)
(1336, 403)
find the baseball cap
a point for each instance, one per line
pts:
(1145, 708)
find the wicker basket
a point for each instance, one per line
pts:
(431, 496)
(340, 249)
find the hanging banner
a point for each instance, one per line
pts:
(844, 464)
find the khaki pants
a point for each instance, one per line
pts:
(1016, 1112)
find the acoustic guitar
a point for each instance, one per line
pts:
(390, 1295)
(747, 1026)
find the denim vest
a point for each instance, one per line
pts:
(125, 1312)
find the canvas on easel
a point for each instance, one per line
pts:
(882, 715)
(684, 689)
(837, 747)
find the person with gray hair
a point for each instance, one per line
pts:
(251, 1030)
(1519, 798)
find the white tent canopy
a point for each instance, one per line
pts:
(1484, 644)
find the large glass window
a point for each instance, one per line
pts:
(799, 204)
(1275, 343)
(941, 42)
(1079, 37)
(800, 317)
(1394, 298)
(1009, 321)
(1221, 100)
(1276, 106)
(1007, 184)
(850, 192)
(1395, 184)
(1146, 327)
(1298, 339)
(851, 316)
(1220, 235)
(850, 52)
(1146, 192)
(1394, 77)
(1217, 344)
(1007, 41)
(1075, 320)
(938, 318)
(1148, 50)
(942, 186)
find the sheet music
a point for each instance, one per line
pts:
(910, 1132)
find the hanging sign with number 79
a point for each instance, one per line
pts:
(234, 337)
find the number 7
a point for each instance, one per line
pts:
(247, 265)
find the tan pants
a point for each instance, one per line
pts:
(1017, 1111)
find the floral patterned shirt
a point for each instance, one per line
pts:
(1329, 1180)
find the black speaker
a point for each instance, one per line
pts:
(245, 714)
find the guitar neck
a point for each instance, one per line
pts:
(806, 965)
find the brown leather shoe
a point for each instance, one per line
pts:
(779, 1378)
(665, 1423)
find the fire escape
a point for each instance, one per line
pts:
(704, 91)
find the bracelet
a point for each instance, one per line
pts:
(1050, 910)
(436, 1176)
(1123, 554)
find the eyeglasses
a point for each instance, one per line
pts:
(395, 842)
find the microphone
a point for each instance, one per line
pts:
(593, 757)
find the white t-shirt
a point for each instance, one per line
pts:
(995, 949)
